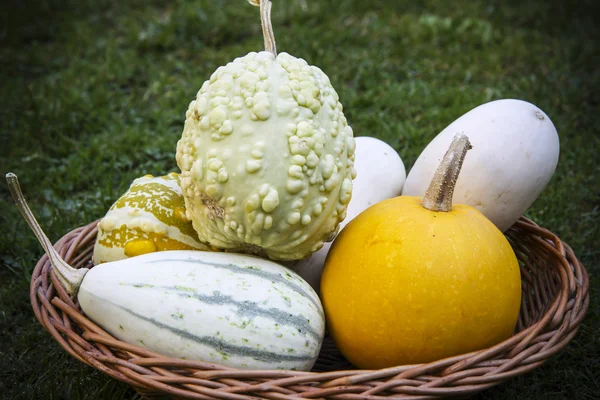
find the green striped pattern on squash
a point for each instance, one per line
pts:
(232, 309)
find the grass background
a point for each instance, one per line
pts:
(93, 94)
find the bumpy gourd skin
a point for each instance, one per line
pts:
(405, 285)
(266, 158)
(149, 217)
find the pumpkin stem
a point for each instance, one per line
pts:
(267, 27)
(438, 196)
(68, 276)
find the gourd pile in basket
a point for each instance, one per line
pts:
(280, 224)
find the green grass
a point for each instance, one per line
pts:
(94, 92)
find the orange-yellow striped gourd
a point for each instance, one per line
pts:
(413, 280)
(150, 216)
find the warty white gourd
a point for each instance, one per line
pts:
(380, 175)
(515, 152)
(266, 156)
(235, 310)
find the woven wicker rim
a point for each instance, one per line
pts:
(555, 301)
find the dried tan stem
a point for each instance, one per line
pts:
(69, 277)
(438, 196)
(267, 27)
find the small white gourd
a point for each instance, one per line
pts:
(515, 152)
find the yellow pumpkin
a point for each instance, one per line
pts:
(406, 283)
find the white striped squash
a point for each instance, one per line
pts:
(232, 309)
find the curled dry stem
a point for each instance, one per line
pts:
(267, 27)
(68, 276)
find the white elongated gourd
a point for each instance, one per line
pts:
(235, 310)
(266, 156)
(150, 216)
(515, 152)
(380, 175)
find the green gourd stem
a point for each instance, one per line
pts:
(68, 276)
(267, 27)
(438, 196)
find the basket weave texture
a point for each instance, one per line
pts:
(554, 302)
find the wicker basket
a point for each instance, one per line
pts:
(555, 300)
